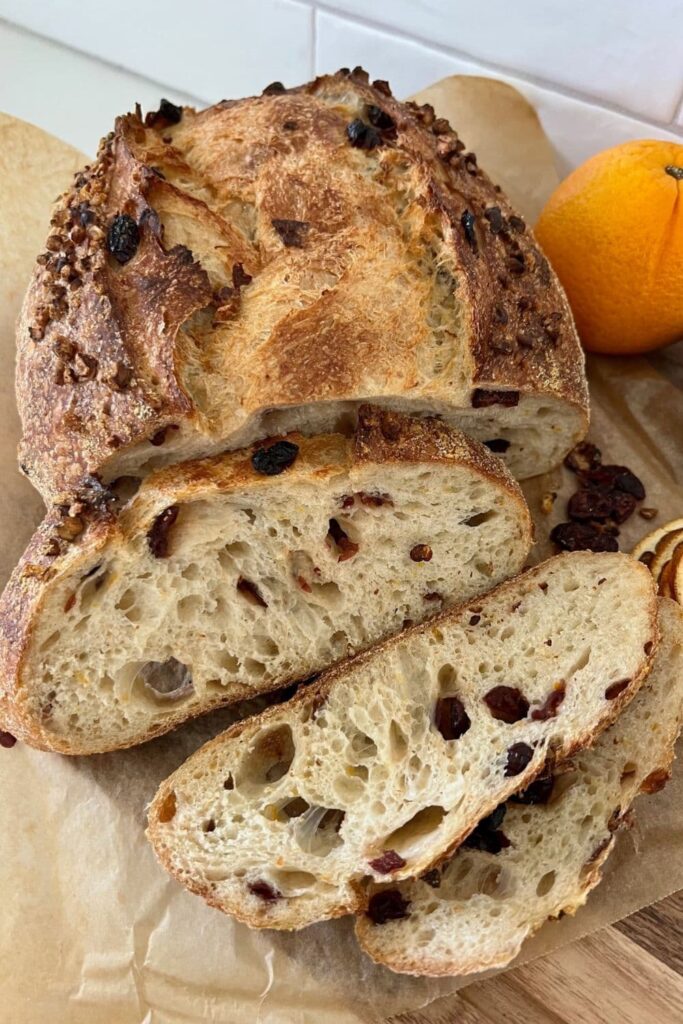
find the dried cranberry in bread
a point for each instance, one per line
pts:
(546, 849)
(263, 266)
(236, 575)
(387, 763)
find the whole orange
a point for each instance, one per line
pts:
(613, 231)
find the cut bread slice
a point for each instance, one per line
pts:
(541, 859)
(388, 762)
(234, 576)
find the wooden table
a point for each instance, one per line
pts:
(630, 973)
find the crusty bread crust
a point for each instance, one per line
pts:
(380, 438)
(274, 915)
(110, 355)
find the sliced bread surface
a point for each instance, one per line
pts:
(541, 858)
(387, 763)
(237, 575)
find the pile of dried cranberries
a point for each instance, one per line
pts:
(608, 495)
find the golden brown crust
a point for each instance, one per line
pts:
(343, 250)
(54, 553)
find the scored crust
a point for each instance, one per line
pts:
(281, 276)
(71, 539)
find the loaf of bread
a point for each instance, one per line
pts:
(387, 763)
(544, 854)
(263, 266)
(239, 574)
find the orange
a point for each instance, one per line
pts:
(613, 231)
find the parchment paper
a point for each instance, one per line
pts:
(92, 931)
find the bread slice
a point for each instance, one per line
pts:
(475, 911)
(263, 266)
(218, 580)
(388, 762)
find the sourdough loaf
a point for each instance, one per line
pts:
(386, 764)
(263, 266)
(236, 575)
(543, 857)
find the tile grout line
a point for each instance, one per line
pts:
(488, 65)
(198, 100)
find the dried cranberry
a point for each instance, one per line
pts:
(158, 535)
(251, 592)
(379, 118)
(583, 457)
(539, 792)
(291, 232)
(387, 905)
(583, 537)
(495, 219)
(421, 553)
(274, 89)
(239, 276)
(497, 445)
(550, 706)
(362, 135)
(616, 688)
(483, 397)
(7, 740)
(123, 238)
(432, 878)
(507, 704)
(450, 718)
(589, 504)
(374, 500)
(468, 222)
(388, 862)
(623, 506)
(615, 477)
(275, 459)
(167, 112)
(487, 836)
(346, 547)
(519, 755)
(264, 890)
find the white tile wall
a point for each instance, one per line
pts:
(598, 71)
(576, 128)
(208, 48)
(626, 52)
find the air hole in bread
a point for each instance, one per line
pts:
(327, 594)
(295, 808)
(545, 883)
(270, 758)
(317, 830)
(580, 662)
(628, 771)
(363, 746)
(126, 601)
(164, 682)
(256, 669)
(480, 517)
(91, 587)
(398, 742)
(446, 679)
(407, 839)
(292, 883)
(190, 607)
